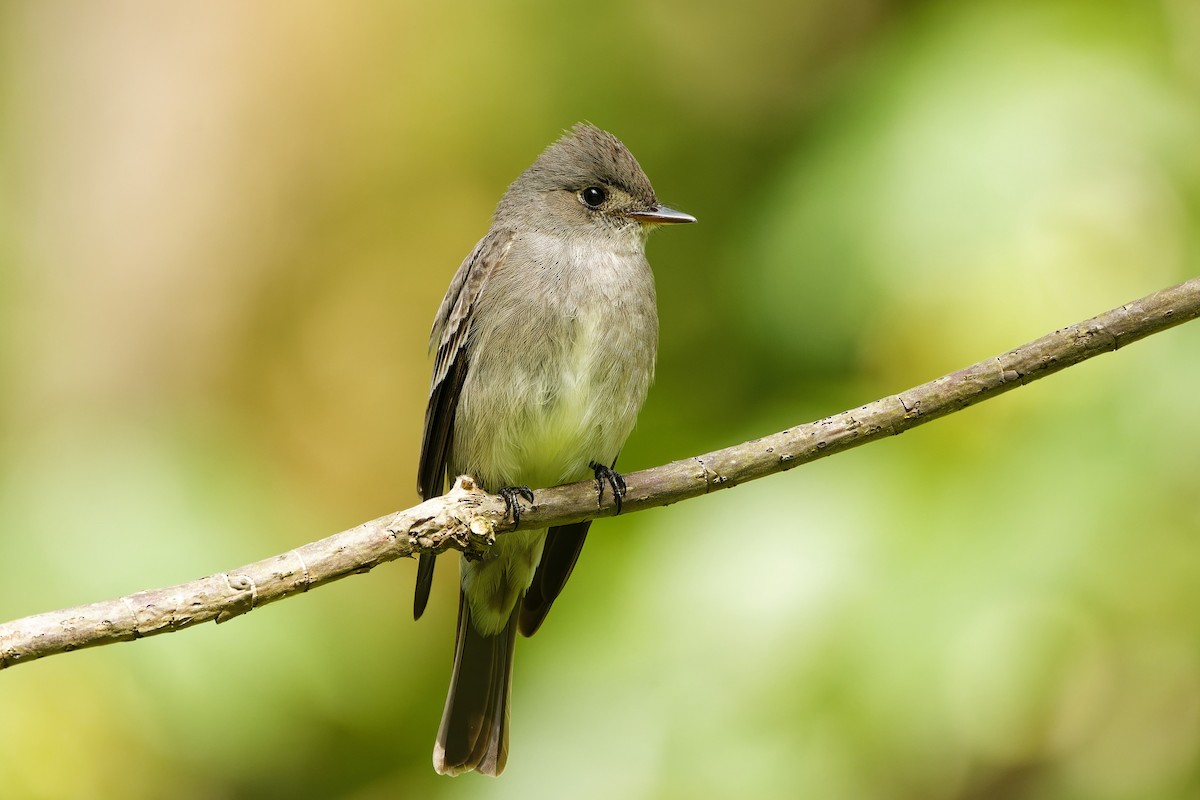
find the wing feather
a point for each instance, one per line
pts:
(451, 330)
(559, 555)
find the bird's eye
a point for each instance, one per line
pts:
(593, 197)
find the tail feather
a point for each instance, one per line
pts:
(474, 730)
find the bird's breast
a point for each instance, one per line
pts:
(562, 355)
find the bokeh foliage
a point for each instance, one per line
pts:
(224, 229)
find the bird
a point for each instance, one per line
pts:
(545, 349)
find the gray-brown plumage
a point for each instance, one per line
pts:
(545, 349)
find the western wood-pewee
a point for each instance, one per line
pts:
(545, 349)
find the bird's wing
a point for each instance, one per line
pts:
(451, 329)
(559, 555)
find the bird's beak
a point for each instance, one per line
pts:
(661, 215)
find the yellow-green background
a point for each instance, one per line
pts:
(225, 227)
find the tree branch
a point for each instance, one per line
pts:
(468, 519)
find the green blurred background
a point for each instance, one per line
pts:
(224, 230)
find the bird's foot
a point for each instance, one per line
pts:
(612, 478)
(512, 504)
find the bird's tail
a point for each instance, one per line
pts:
(474, 730)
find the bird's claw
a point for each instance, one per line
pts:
(511, 504)
(613, 479)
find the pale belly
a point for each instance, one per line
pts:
(544, 400)
(555, 383)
